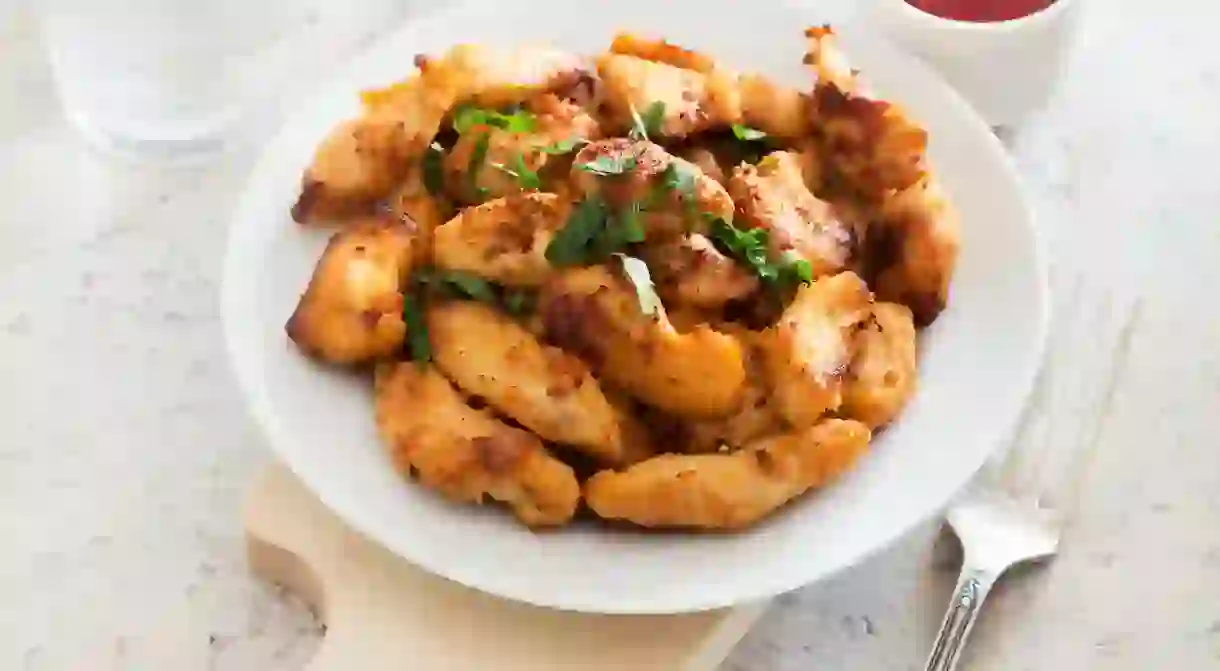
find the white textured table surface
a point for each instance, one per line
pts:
(127, 450)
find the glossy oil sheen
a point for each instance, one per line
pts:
(981, 11)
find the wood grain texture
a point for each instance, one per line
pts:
(383, 614)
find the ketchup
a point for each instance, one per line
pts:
(981, 11)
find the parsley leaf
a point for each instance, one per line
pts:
(527, 178)
(518, 121)
(749, 247)
(648, 125)
(637, 272)
(419, 349)
(609, 165)
(593, 233)
(434, 176)
(570, 246)
(747, 134)
(459, 283)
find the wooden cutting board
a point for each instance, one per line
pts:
(382, 613)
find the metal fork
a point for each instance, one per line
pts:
(1049, 457)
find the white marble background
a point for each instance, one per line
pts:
(127, 449)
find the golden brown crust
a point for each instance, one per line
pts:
(884, 372)
(807, 353)
(467, 454)
(595, 314)
(357, 164)
(693, 101)
(913, 248)
(661, 51)
(351, 312)
(689, 271)
(504, 240)
(773, 196)
(545, 389)
(730, 490)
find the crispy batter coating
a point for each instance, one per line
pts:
(357, 163)
(595, 314)
(641, 174)
(781, 112)
(871, 147)
(883, 374)
(773, 195)
(495, 77)
(504, 240)
(545, 389)
(412, 204)
(661, 51)
(690, 271)
(351, 312)
(467, 454)
(807, 353)
(729, 490)
(913, 250)
(693, 101)
(829, 63)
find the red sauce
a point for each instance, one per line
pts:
(981, 11)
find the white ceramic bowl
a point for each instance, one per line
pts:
(1006, 69)
(978, 360)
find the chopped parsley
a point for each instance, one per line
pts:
(563, 146)
(609, 165)
(419, 349)
(749, 248)
(459, 284)
(527, 178)
(517, 121)
(747, 134)
(637, 272)
(520, 302)
(647, 125)
(477, 158)
(594, 232)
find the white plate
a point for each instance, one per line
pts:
(978, 361)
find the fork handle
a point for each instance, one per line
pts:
(973, 586)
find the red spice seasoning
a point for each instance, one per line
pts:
(981, 11)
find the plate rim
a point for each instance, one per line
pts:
(274, 431)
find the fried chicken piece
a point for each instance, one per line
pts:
(467, 454)
(781, 112)
(807, 353)
(503, 240)
(495, 77)
(884, 373)
(595, 314)
(773, 196)
(546, 390)
(359, 162)
(913, 248)
(689, 101)
(488, 162)
(871, 147)
(661, 51)
(351, 312)
(690, 271)
(728, 491)
(676, 196)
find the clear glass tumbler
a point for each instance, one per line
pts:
(180, 79)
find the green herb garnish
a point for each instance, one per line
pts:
(563, 146)
(648, 125)
(747, 134)
(609, 165)
(637, 272)
(419, 349)
(434, 174)
(750, 249)
(571, 246)
(459, 284)
(517, 121)
(527, 178)
(594, 232)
